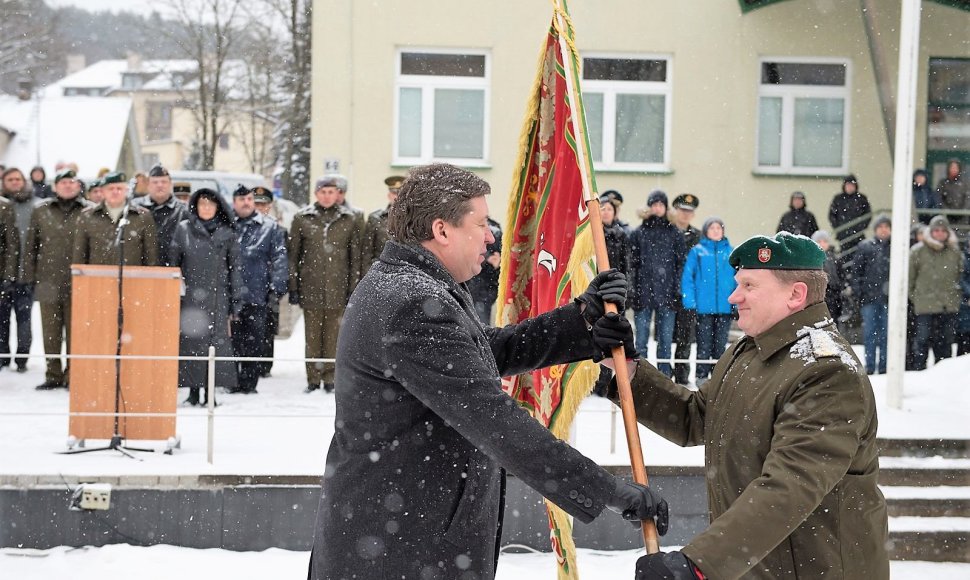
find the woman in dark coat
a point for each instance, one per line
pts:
(206, 248)
(617, 241)
(798, 220)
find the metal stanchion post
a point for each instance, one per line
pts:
(211, 404)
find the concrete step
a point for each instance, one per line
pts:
(924, 471)
(950, 448)
(941, 539)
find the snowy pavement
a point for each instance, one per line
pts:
(118, 561)
(283, 431)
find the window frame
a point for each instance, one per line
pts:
(788, 95)
(610, 89)
(427, 84)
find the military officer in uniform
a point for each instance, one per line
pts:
(96, 240)
(263, 199)
(324, 252)
(788, 421)
(375, 233)
(47, 265)
(182, 191)
(685, 205)
(164, 207)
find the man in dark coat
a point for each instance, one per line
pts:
(38, 181)
(16, 205)
(657, 253)
(375, 232)
(206, 249)
(484, 286)
(324, 251)
(264, 274)
(788, 421)
(166, 209)
(954, 191)
(685, 323)
(926, 200)
(415, 477)
(870, 284)
(850, 214)
(798, 220)
(47, 266)
(96, 239)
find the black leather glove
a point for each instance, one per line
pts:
(612, 330)
(635, 502)
(295, 298)
(665, 566)
(609, 286)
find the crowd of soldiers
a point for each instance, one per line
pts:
(238, 261)
(315, 262)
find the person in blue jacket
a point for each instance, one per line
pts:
(706, 283)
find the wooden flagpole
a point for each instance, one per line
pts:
(649, 529)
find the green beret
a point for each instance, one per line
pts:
(783, 251)
(114, 177)
(67, 173)
(94, 183)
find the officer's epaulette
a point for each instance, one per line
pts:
(308, 210)
(823, 344)
(138, 209)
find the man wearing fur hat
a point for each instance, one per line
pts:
(935, 267)
(788, 421)
(657, 253)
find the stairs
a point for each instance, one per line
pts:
(927, 489)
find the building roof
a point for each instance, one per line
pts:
(89, 131)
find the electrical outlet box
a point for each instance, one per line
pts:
(94, 496)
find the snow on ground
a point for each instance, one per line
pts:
(935, 492)
(116, 562)
(283, 431)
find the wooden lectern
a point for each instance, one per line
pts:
(151, 327)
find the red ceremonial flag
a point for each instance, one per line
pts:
(547, 258)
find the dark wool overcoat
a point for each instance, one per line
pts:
(211, 274)
(415, 479)
(167, 216)
(788, 424)
(657, 253)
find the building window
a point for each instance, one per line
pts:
(627, 102)
(158, 120)
(441, 107)
(132, 81)
(223, 141)
(802, 110)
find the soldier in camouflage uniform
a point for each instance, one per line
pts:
(96, 240)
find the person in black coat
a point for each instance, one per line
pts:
(925, 197)
(38, 181)
(484, 286)
(798, 220)
(833, 288)
(265, 272)
(415, 479)
(167, 211)
(850, 214)
(870, 284)
(617, 241)
(206, 249)
(657, 253)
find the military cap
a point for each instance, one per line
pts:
(94, 183)
(158, 170)
(783, 251)
(262, 195)
(612, 196)
(66, 173)
(333, 180)
(183, 187)
(114, 177)
(686, 201)
(241, 191)
(394, 181)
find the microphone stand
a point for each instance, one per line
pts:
(117, 439)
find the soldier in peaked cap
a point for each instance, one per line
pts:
(684, 326)
(789, 398)
(375, 231)
(182, 191)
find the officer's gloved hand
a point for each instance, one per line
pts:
(666, 566)
(609, 286)
(611, 331)
(635, 502)
(295, 298)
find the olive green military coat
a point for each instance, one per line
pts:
(788, 421)
(9, 242)
(375, 235)
(324, 251)
(50, 247)
(935, 269)
(94, 241)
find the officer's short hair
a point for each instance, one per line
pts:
(431, 192)
(816, 280)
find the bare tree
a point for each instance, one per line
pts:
(292, 135)
(207, 34)
(25, 40)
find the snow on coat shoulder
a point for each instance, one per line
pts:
(815, 342)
